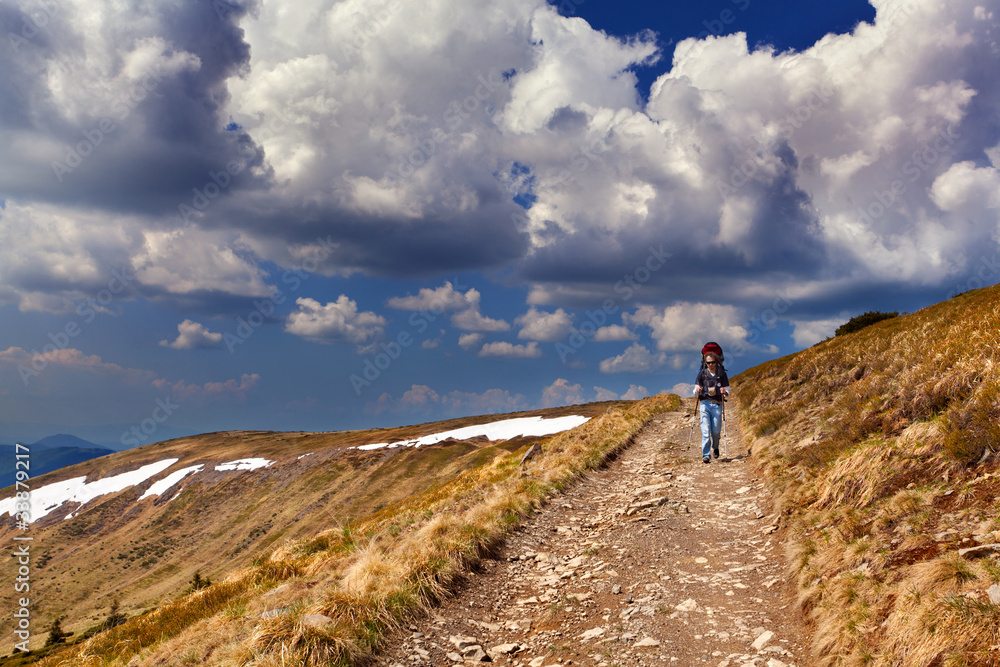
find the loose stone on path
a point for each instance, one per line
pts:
(653, 560)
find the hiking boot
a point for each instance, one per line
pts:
(715, 451)
(706, 460)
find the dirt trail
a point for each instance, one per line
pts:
(656, 559)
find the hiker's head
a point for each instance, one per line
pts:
(710, 360)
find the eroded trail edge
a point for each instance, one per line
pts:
(655, 559)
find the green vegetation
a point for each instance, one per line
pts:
(882, 447)
(198, 582)
(56, 634)
(859, 322)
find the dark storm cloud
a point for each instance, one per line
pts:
(154, 127)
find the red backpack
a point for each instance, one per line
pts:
(712, 348)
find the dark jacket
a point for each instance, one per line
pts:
(706, 380)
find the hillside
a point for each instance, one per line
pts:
(883, 447)
(132, 545)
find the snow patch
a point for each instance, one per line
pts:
(501, 430)
(160, 487)
(48, 498)
(244, 464)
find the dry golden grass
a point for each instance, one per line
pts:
(144, 553)
(352, 584)
(883, 448)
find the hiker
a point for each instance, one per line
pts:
(711, 387)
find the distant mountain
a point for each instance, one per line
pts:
(62, 440)
(108, 436)
(48, 454)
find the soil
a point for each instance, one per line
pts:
(656, 559)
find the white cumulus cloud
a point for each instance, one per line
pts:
(437, 300)
(614, 333)
(546, 327)
(688, 326)
(635, 359)
(193, 335)
(469, 341)
(602, 394)
(561, 392)
(635, 392)
(806, 333)
(505, 349)
(333, 322)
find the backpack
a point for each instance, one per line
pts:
(713, 348)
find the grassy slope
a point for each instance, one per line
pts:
(367, 574)
(883, 446)
(143, 553)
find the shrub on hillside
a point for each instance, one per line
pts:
(198, 582)
(56, 634)
(859, 322)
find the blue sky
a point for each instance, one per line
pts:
(335, 215)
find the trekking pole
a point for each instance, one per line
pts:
(725, 440)
(697, 400)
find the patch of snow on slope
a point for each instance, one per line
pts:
(50, 497)
(501, 430)
(160, 487)
(244, 464)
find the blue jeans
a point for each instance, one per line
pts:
(711, 427)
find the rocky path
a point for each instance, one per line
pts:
(656, 559)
